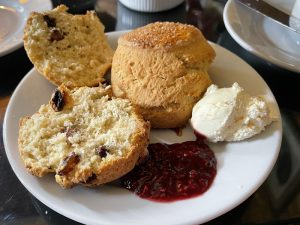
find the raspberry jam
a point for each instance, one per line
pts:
(173, 172)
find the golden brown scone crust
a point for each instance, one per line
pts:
(67, 142)
(162, 68)
(66, 48)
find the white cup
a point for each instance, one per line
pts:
(151, 5)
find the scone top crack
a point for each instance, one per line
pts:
(92, 139)
(66, 48)
(162, 67)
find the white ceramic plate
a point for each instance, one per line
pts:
(262, 36)
(13, 16)
(242, 167)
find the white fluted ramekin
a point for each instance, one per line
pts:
(151, 5)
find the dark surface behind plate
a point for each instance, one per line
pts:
(276, 202)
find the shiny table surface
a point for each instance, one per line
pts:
(277, 201)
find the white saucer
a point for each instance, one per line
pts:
(262, 36)
(13, 16)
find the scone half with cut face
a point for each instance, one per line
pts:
(68, 49)
(84, 136)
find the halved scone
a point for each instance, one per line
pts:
(83, 135)
(68, 49)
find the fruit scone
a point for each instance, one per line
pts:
(66, 48)
(84, 135)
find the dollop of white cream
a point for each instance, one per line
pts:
(231, 114)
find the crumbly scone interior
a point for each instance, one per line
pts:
(78, 55)
(94, 121)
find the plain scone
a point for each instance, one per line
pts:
(69, 49)
(85, 136)
(162, 68)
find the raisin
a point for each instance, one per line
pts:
(68, 164)
(57, 100)
(91, 178)
(56, 35)
(50, 21)
(102, 151)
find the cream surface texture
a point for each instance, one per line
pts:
(231, 114)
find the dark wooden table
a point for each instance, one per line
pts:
(18, 206)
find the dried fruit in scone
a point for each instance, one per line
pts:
(83, 135)
(65, 48)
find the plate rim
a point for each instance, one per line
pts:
(243, 43)
(47, 5)
(81, 219)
